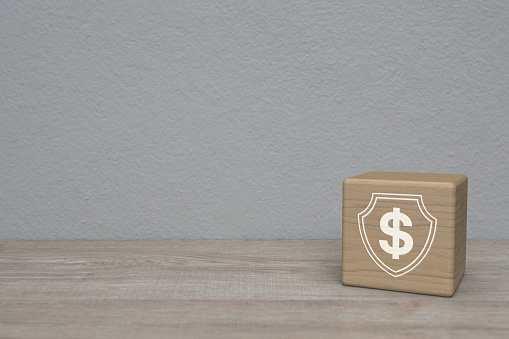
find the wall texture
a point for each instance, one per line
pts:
(239, 120)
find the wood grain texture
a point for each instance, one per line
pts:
(460, 231)
(440, 267)
(231, 289)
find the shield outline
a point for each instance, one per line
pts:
(424, 212)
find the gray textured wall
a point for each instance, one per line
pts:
(239, 120)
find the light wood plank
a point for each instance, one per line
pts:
(231, 289)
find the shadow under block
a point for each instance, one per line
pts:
(405, 231)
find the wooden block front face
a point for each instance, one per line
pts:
(403, 231)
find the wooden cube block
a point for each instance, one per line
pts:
(405, 231)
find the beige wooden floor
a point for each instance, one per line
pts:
(231, 289)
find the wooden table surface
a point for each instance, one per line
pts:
(231, 289)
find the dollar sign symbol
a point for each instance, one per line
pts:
(396, 216)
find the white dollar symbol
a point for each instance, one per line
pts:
(396, 216)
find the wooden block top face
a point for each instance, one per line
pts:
(399, 231)
(405, 176)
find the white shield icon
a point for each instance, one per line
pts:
(397, 231)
